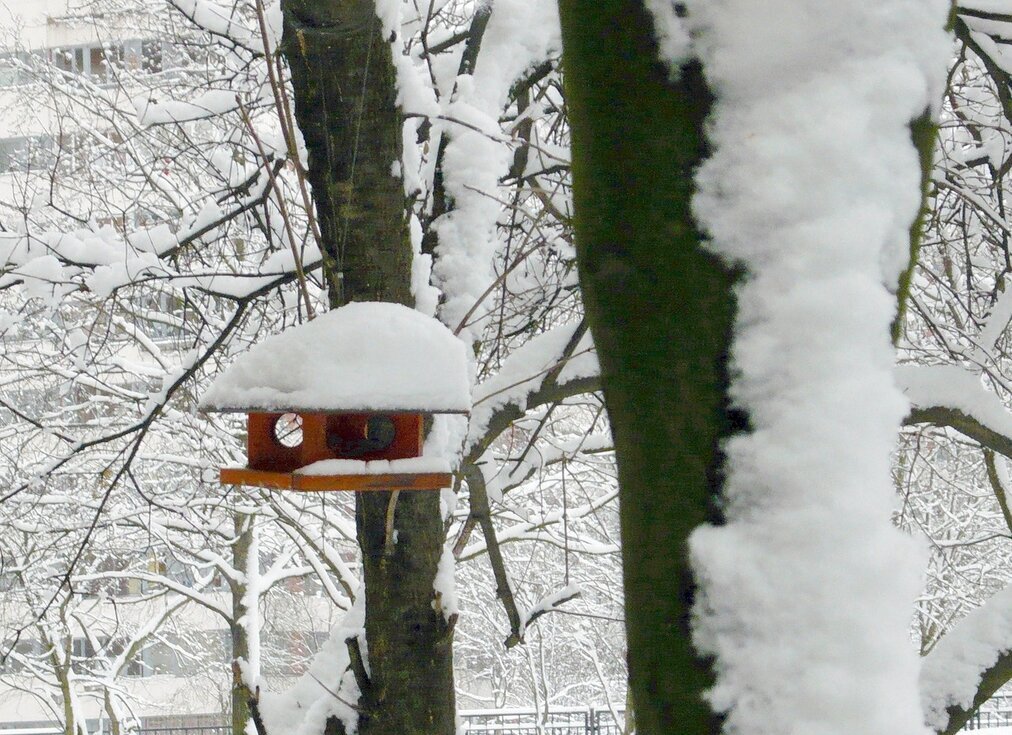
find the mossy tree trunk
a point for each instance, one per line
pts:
(660, 309)
(344, 88)
(344, 82)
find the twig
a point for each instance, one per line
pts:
(287, 122)
(357, 664)
(285, 218)
(997, 486)
(481, 512)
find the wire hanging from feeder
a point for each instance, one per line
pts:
(354, 162)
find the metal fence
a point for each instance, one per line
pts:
(556, 721)
(575, 721)
(586, 721)
(583, 721)
(569, 721)
(992, 718)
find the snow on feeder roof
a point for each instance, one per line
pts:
(339, 403)
(365, 356)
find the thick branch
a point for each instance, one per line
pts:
(966, 425)
(997, 486)
(549, 392)
(992, 680)
(482, 513)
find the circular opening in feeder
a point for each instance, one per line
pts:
(288, 430)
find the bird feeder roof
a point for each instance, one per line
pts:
(365, 356)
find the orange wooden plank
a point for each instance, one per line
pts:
(323, 483)
(257, 478)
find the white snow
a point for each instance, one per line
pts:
(250, 619)
(151, 111)
(157, 239)
(426, 295)
(987, 6)
(952, 386)
(997, 321)
(363, 356)
(220, 21)
(444, 586)
(549, 603)
(524, 371)
(327, 688)
(673, 41)
(953, 669)
(520, 34)
(42, 277)
(408, 465)
(806, 594)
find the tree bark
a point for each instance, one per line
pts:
(344, 84)
(343, 79)
(242, 525)
(660, 309)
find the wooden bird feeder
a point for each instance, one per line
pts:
(339, 403)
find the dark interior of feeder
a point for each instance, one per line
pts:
(374, 436)
(283, 442)
(377, 433)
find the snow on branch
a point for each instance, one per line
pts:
(328, 689)
(953, 386)
(218, 21)
(950, 395)
(968, 665)
(805, 593)
(211, 103)
(519, 34)
(549, 603)
(560, 356)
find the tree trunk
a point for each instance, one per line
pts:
(344, 87)
(660, 309)
(344, 84)
(410, 643)
(242, 524)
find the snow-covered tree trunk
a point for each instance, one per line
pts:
(238, 624)
(805, 588)
(343, 78)
(660, 309)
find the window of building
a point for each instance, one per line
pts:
(13, 661)
(68, 59)
(12, 69)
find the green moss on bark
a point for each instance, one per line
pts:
(343, 79)
(923, 132)
(660, 308)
